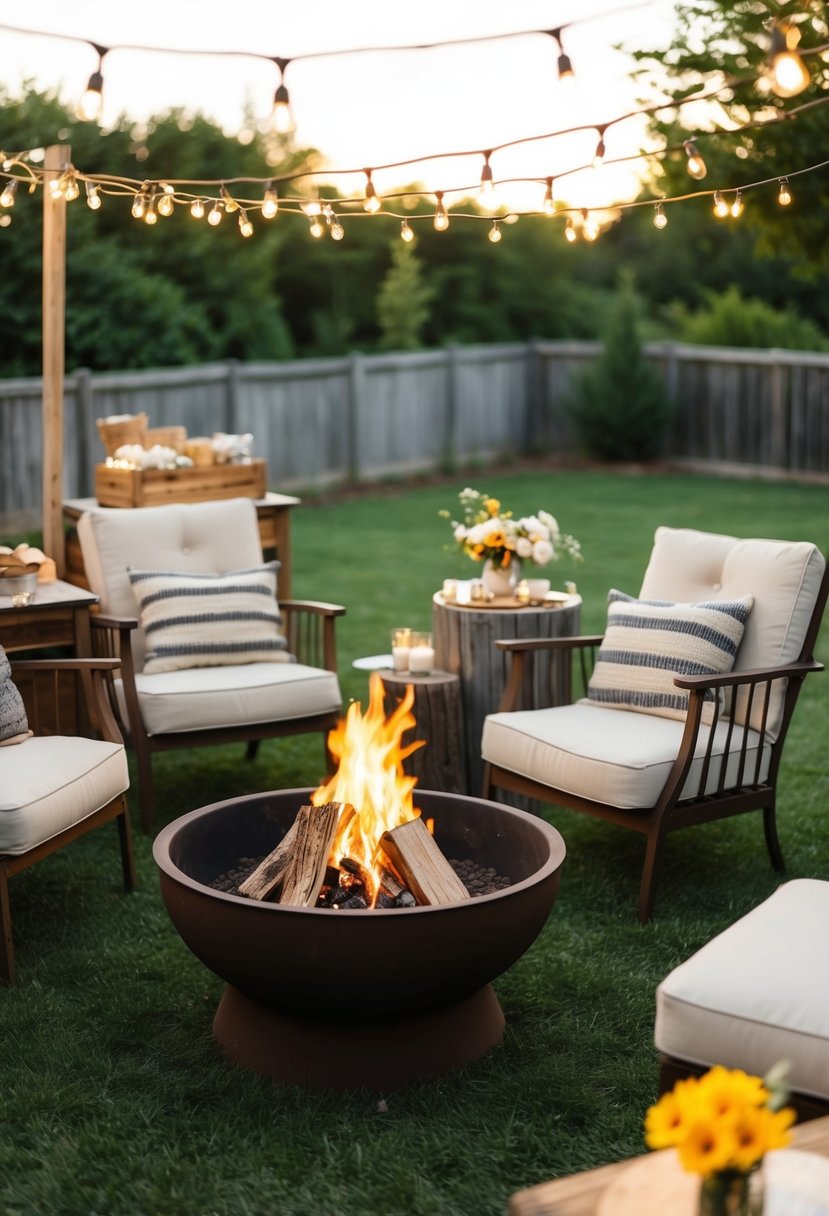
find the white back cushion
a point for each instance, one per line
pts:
(783, 577)
(202, 538)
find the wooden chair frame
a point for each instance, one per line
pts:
(310, 631)
(675, 809)
(42, 684)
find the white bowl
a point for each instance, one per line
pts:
(13, 584)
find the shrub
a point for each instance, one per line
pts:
(730, 320)
(619, 404)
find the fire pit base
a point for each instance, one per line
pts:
(380, 1056)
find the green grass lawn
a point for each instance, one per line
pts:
(114, 1100)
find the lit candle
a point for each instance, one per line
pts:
(421, 659)
(450, 589)
(401, 640)
(522, 592)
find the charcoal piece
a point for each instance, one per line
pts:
(384, 900)
(357, 872)
(406, 900)
(355, 901)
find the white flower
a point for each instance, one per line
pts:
(542, 552)
(524, 547)
(460, 532)
(550, 523)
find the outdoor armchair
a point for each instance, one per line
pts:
(206, 654)
(68, 777)
(670, 763)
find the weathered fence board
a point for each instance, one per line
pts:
(319, 421)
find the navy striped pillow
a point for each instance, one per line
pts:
(209, 620)
(648, 642)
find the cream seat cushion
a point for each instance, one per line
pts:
(757, 993)
(616, 756)
(201, 698)
(51, 782)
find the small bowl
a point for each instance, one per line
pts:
(18, 584)
(538, 588)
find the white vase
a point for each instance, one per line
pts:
(499, 579)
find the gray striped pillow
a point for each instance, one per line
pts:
(14, 726)
(209, 620)
(648, 642)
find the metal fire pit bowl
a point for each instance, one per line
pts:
(336, 999)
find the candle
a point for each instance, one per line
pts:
(401, 640)
(450, 589)
(421, 660)
(522, 592)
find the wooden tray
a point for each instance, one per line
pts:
(155, 487)
(553, 599)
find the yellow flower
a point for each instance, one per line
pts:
(666, 1122)
(728, 1091)
(757, 1130)
(492, 505)
(707, 1146)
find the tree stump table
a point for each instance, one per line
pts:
(440, 765)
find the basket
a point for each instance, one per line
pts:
(168, 436)
(127, 428)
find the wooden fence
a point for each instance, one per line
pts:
(362, 417)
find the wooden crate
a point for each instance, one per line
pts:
(155, 487)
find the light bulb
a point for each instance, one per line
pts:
(589, 227)
(696, 165)
(230, 203)
(316, 230)
(372, 202)
(139, 206)
(570, 230)
(548, 206)
(282, 116)
(494, 233)
(150, 216)
(441, 220)
(197, 209)
(599, 154)
(245, 226)
(71, 190)
(89, 106)
(337, 231)
(406, 233)
(7, 197)
(312, 207)
(660, 219)
(486, 191)
(93, 197)
(565, 67)
(789, 74)
(721, 208)
(784, 195)
(737, 206)
(166, 206)
(270, 203)
(56, 186)
(214, 215)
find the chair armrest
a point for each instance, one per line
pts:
(569, 643)
(48, 703)
(309, 629)
(100, 621)
(584, 646)
(753, 675)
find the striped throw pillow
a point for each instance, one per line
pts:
(14, 726)
(648, 642)
(209, 620)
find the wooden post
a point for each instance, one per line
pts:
(58, 158)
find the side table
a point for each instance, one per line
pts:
(439, 765)
(57, 615)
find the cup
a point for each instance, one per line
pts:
(401, 640)
(450, 590)
(477, 591)
(421, 654)
(538, 588)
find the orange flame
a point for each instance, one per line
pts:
(370, 753)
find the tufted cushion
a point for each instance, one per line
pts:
(783, 576)
(201, 698)
(648, 642)
(14, 726)
(207, 620)
(757, 993)
(50, 783)
(621, 758)
(196, 538)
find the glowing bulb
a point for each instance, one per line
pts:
(7, 197)
(197, 209)
(245, 226)
(737, 206)
(150, 216)
(139, 206)
(312, 207)
(696, 165)
(93, 197)
(789, 74)
(166, 205)
(89, 106)
(660, 219)
(721, 207)
(565, 67)
(56, 188)
(599, 154)
(548, 206)
(282, 116)
(441, 220)
(570, 230)
(214, 215)
(486, 192)
(589, 227)
(494, 233)
(784, 196)
(270, 203)
(406, 233)
(372, 202)
(71, 190)
(230, 203)
(316, 230)
(337, 231)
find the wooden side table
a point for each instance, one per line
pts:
(437, 708)
(273, 512)
(58, 615)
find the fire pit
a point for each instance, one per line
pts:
(375, 997)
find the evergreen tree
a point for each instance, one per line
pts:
(403, 300)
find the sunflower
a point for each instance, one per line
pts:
(707, 1146)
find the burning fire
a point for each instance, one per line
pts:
(370, 753)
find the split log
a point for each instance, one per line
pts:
(269, 873)
(316, 827)
(419, 864)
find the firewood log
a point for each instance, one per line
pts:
(419, 864)
(316, 827)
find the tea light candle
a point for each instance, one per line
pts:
(450, 589)
(522, 592)
(421, 659)
(401, 640)
(477, 591)
(21, 598)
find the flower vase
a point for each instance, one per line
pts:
(499, 579)
(732, 1193)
